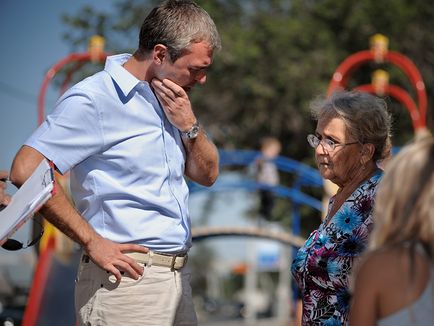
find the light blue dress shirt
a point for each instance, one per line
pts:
(126, 160)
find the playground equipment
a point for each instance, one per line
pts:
(303, 176)
(379, 53)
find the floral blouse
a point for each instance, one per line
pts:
(322, 266)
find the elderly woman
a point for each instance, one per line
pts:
(351, 137)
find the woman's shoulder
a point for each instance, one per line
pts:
(386, 260)
(378, 261)
(396, 274)
(380, 267)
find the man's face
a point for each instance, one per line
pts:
(190, 68)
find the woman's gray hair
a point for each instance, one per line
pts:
(365, 116)
(177, 24)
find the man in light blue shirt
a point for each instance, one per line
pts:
(128, 135)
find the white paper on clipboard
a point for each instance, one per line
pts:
(27, 200)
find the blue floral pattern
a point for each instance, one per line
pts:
(322, 266)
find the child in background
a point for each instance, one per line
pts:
(267, 174)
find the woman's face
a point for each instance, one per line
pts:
(341, 164)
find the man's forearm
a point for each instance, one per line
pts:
(59, 211)
(202, 165)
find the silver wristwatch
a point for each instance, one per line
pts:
(193, 132)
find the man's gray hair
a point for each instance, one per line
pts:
(177, 24)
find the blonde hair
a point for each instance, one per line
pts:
(404, 205)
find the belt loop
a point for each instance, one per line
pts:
(151, 254)
(172, 266)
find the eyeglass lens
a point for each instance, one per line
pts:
(328, 144)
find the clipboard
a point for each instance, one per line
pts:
(35, 192)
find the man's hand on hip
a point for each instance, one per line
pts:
(110, 256)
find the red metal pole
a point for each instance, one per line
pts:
(38, 285)
(351, 63)
(402, 96)
(416, 79)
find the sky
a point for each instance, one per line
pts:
(31, 42)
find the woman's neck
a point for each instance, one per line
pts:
(349, 187)
(361, 175)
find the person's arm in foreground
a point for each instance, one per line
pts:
(364, 301)
(58, 210)
(4, 198)
(202, 164)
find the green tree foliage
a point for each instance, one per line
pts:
(277, 56)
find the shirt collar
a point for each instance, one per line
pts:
(124, 79)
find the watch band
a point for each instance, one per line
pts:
(192, 132)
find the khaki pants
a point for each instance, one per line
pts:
(160, 297)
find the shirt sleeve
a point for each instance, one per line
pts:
(71, 133)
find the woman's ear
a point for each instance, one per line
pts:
(367, 152)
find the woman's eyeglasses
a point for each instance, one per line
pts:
(328, 144)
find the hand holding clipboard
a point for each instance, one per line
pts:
(38, 188)
(4, 198)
